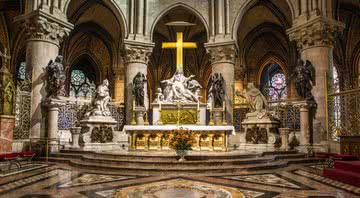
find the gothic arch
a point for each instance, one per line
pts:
(112, 6)
(247, 5)
(265, 61)
(176, 6)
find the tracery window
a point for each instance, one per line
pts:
(80, 85)
(21, 73)
(277, 86)
(273, 82)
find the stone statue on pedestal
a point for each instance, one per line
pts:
(180, 89)
(256, 100)
(139, 89)
(55, 78)
(216, 93)
(304, 75)
(100, 103)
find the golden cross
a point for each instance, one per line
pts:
(179, 45)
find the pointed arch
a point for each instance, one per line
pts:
(184, 6)
(113, 7)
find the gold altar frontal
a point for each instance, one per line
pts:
(157, 138)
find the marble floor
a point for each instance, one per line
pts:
(60, 180)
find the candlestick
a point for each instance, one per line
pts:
(133, 104)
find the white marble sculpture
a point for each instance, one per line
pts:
(100, 103)
(256, 101)
(179, 89)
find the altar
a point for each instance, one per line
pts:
(157, 137)
(181, 113)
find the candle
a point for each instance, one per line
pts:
(134, 105)
(224, 105)
(159, 106)
(198, 105)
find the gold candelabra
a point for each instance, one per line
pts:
(146, 118)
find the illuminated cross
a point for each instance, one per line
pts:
(5, 56)
(179, 45)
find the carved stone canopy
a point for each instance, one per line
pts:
(320, 31)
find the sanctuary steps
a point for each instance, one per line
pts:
(166, 163)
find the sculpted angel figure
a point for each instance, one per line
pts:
(304, 75)
(55, 78)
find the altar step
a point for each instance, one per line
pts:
(155, 164)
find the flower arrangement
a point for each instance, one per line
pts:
(182, 139)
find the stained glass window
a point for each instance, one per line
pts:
(21, 73)
(80, 85)
(277, 84)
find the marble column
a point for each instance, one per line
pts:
(136, 60)
(222, 57)
(315, 39)
(44, 34)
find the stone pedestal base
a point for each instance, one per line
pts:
(284, 133)
(139, 114)
(75, 133)
(7, 124)
(218, 116)
(266, 122)
(97, 131)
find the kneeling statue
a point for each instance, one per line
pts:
(100, 103)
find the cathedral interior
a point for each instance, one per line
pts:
(170, 99)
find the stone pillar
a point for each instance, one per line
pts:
(44, 34)
(52, 108)
(315, 39)
(136, 60)
(305, 121)
(222, 57)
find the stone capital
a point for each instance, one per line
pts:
(304, 105)
(42, 26)
(53, 103)
(137, 52)
(224, 52)
(319, 31)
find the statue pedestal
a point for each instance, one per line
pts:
(52, 106)
(75, 133)
(172, 114)
(97, 133)
(265, 122)
(217, 116)
(305, 121)
(284, 133)
(139, 114)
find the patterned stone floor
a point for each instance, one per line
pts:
(60, 180)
